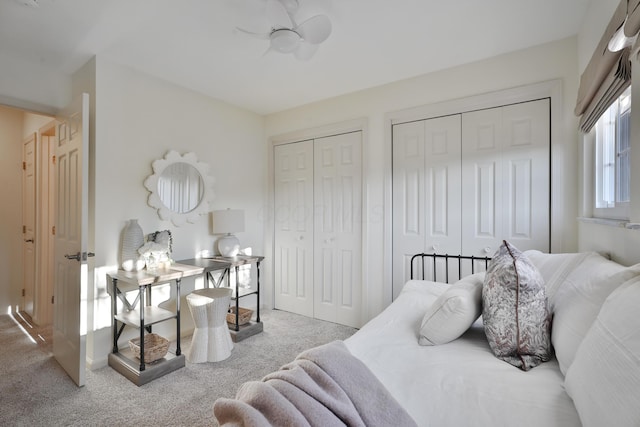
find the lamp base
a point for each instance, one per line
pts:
(228, 245)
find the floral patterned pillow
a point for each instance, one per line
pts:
(515, 314)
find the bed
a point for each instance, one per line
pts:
(592, 378)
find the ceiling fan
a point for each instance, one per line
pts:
(286, 36)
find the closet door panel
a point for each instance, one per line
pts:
(520, 195)
(338, 225)
(482, 178)
(506, 159)
(409, 213)
(426, 194)
(442, 190)
(484, 205)
(293, 234)
(527, 172)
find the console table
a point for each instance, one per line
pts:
(142, 315)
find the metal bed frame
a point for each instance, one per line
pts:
(419, 259)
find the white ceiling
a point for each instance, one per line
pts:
(194, 43)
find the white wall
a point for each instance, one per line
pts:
(551, 61)
(11, 133)
(594, 24)
(138, 118)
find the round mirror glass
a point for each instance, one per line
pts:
(180, 187)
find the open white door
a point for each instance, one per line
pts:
(70, 264)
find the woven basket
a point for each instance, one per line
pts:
(155, 347)
(244, 316)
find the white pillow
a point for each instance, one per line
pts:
(604, 379)
(578, 301)
(554, 269)
(453, 312)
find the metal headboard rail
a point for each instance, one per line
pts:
(421, 259)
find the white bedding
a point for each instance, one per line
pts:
(460, 383)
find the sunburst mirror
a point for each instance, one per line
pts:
(181, 188)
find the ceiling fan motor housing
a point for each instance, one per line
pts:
(285, 40)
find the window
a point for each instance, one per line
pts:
(612, 160)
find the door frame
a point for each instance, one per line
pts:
(551, 89)
(355, 125)
(29, 303)
(42, 292)
(45, 220)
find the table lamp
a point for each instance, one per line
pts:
(227, 222)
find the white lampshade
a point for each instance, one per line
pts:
(228, 221)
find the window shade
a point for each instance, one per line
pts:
(606, 76)
(611, 88)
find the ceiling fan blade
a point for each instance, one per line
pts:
(277, 15)
(264, 36)
(315, 30)
(268, 51)
(305, 51)
(290, 5)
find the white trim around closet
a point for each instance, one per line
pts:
(355, 125)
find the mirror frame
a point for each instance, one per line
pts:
(151, 184)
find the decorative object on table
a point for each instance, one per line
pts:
(227, 222)
(155, 347)
(181, 188)
(244, 315)
(157, 250)
(132, 240)
(164, 238)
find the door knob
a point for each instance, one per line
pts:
(76, 256)
(80, 256)
(29, 241)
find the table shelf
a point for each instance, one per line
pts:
(152, 315)
(243, 292)
(141, 314)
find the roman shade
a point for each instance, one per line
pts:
(608, 73)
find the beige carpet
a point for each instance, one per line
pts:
(35, 391)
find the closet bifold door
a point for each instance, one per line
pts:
(338, 228)
(465, 182)
(426, 193)
(506, 176)
(293, 227)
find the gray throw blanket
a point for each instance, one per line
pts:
(323, 386)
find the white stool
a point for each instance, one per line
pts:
(211, 341)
